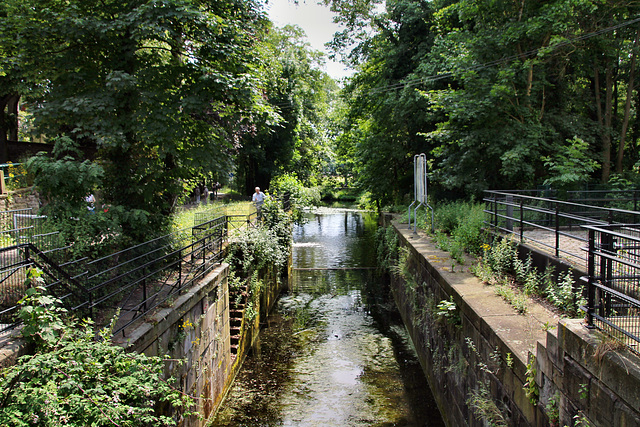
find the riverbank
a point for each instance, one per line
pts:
(485, 362)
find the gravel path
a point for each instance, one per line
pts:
(570, 247)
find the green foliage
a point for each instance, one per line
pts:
(254, 248)
(571, 166)
(387, 247)
(565, 295)
(527, 275)
(297, 141)
(499, 257)
(486, 85)
(552, 408)
(515, 298)
(76, 379)
(65, 181)
(459, 228)
(288, 185)
(163, 90)
(447, 309)
(400, 268)
(485, 408)
(41, 314)
(450, 215)
(530, 387)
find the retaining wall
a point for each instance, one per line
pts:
(194, 329)
(488, 365)
(20, 199)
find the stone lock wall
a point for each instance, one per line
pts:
(23, 198)
(488, 365)
(194, 329)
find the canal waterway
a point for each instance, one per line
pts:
(334, 352)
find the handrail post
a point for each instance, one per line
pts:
(521, 220)
(509, 212)
(495, 213)
(557, 220)
(591, 289)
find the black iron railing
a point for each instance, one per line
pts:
(133, 282)
(613, 281)
(554, 224)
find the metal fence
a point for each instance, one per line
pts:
(555, 225)
(613, 282)
(134, 281)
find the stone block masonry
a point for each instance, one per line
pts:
(24, 198)
(488, 365)
(194, 329)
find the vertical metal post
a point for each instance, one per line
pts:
(495, 213)
(557, 220)
(180, 267)
(591, 289)
(509, 224)
(521, 220)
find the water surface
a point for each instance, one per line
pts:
(334, 352)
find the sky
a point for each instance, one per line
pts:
(315, 20)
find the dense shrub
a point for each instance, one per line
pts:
(77, 379)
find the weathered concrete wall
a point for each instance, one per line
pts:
(475, 357)
(20, 199)
(587, 381)
(195, 329)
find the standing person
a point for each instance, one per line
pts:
(258, 200)
(90, 199)
(205, 195)
(198, 195)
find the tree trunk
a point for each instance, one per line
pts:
(12, 115)
(605, 121)
(627, 107)
(4, 157)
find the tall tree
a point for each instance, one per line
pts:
(162, 87)
(300, 92)
(488, 87)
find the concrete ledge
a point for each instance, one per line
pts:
(571, 382)
(157, 324)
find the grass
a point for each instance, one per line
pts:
(186, 217)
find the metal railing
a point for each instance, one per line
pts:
(134, 281)
(613, 282)
(555, 225)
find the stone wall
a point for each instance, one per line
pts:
(194, 329)
(24, 198)
(488, 365)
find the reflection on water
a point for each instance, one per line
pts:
(332, 354)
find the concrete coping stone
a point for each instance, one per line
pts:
(519, 333)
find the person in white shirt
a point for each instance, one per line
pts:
(258, 200)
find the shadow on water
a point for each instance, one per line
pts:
(334, 352)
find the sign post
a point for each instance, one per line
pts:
(419, 190)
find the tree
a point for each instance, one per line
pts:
(491, 88)
(164, 89)
(385, 117)
(300, 92)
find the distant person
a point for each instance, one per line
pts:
(258, 200)
(197, 195)
(216, 187)
(91, 200)
(205, 195)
